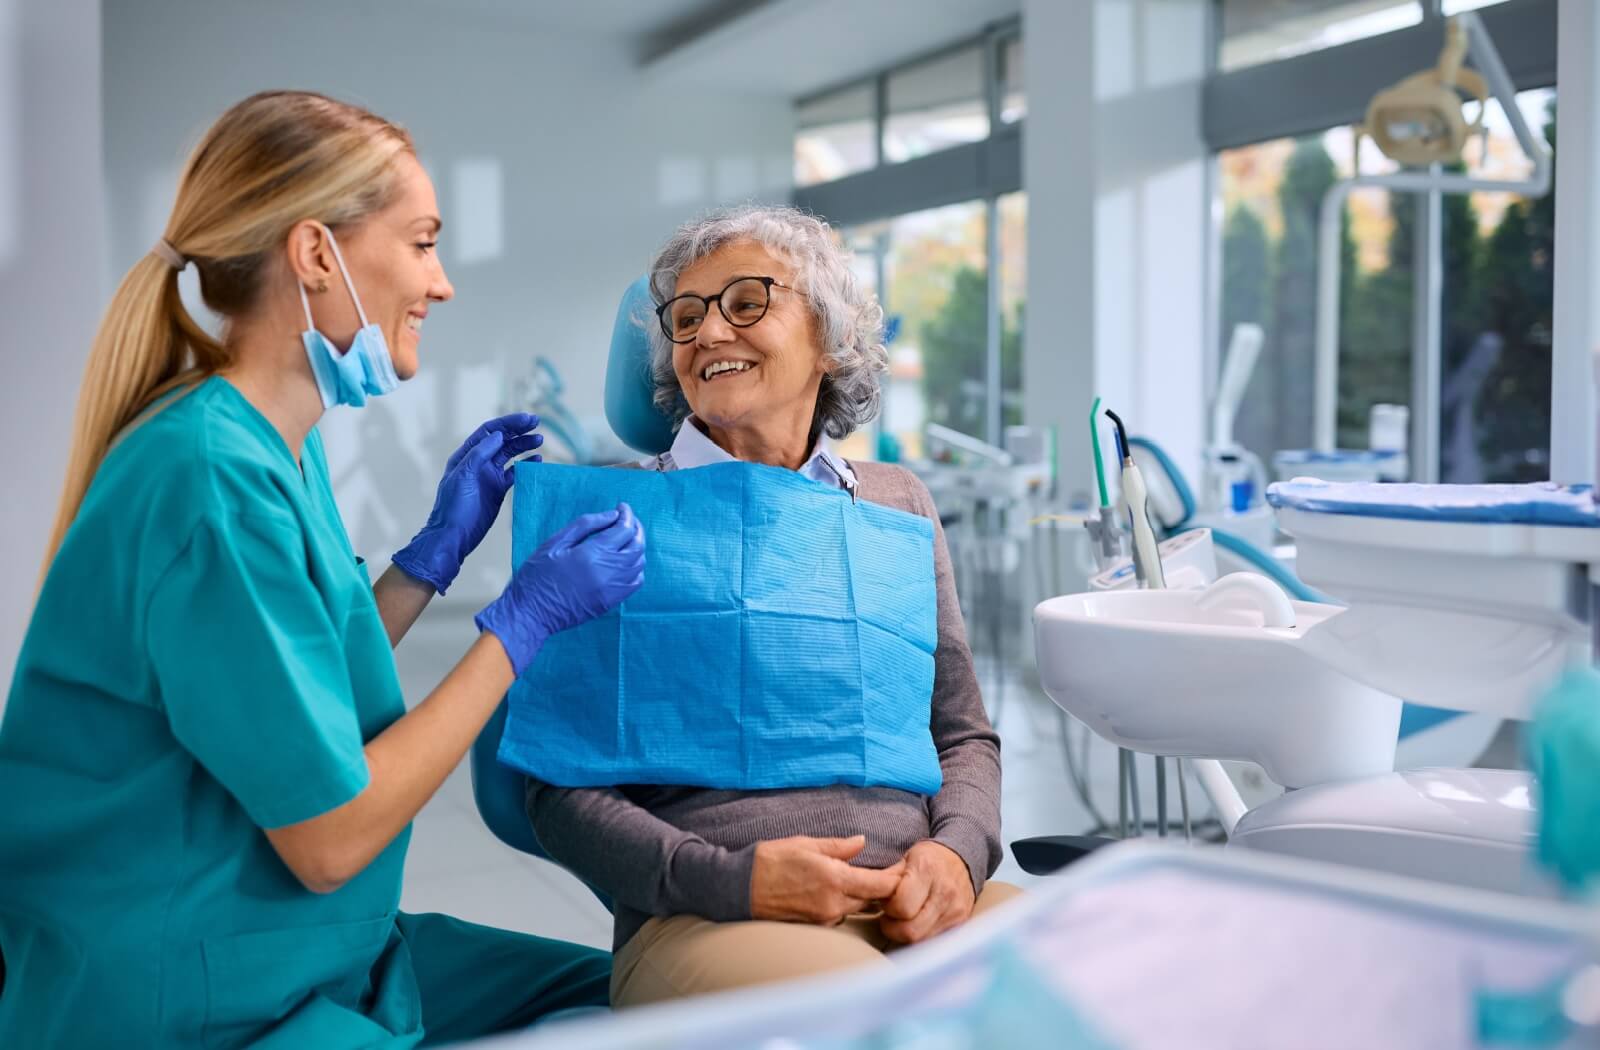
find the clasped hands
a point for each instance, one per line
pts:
(802, 879)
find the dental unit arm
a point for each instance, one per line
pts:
(941, 436)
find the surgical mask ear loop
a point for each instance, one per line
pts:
(345, 273)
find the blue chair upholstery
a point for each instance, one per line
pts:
(499, 791)
(630, 391)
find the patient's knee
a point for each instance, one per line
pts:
(686, 955)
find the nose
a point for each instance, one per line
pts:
(440, 290)
(714, 329)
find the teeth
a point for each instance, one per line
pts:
(720, 367)
(414, 322)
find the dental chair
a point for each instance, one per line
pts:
(500, 792)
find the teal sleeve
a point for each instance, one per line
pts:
(252, 672)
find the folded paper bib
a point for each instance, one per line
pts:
(784, 637)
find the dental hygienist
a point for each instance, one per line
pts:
(207, 766)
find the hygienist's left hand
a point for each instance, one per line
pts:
(934, 894)
(474, 485)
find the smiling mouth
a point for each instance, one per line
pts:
(724, 369)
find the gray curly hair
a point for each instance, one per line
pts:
(848, 319)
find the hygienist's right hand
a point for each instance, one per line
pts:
(583, 571)
(802, 879)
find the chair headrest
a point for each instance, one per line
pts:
(630, 390)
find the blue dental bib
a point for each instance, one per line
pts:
(784, 637)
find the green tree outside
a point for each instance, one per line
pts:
(954, 351)
(1498, 285)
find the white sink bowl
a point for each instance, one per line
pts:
(1469, 617)
(1159, 673)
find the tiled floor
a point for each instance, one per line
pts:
(456, 866)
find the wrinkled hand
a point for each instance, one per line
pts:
(802, 879)
(935, 894)
(474, 485)
(583, 571)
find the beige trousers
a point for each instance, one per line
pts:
(686, 955)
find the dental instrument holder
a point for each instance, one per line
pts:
(1107, 538)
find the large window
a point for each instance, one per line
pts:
(1494, 395)
(1256, 31)
(934, 268)
(935, 298)
(936, 104)
(1271, 194)
(1013, 100)
(835, 135)
(938, 232)
(1499, 296)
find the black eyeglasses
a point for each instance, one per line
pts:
(742, 303)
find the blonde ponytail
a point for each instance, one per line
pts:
(271, 161)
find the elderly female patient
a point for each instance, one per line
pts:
(766, 344)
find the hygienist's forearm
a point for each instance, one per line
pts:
(407, 764)
(401, 600)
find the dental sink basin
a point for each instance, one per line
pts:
(1225, 672)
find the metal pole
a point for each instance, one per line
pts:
(1133, 793)
(1427, 334)
(1161, 796)
(993, 430)
(1122, 792)
(992, 330)
(880, 278)
(1183, 803)
(1325, 407)
(1573, 453)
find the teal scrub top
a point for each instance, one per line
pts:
(205, 660)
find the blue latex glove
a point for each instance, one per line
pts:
(475, 483)
(581, 572)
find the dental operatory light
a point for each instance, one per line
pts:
(1420, 121)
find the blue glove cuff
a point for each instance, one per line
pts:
(429, 560)
(521, 641)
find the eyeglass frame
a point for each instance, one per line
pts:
(767, 283)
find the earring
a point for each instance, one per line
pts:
(322, 286)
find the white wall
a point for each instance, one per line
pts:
(1116, 173)
(595, 165)
(52, 272)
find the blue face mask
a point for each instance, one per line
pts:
(365, 370)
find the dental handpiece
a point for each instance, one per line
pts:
(1146, 555)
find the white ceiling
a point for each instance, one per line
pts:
(779, 47)
(795, 47)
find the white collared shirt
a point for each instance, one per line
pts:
(692, 448)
